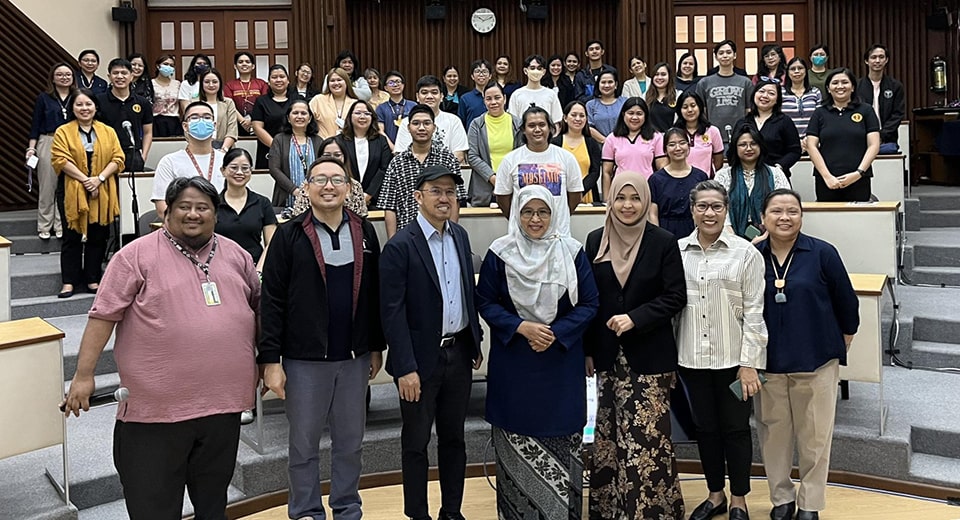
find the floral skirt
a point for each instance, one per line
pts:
(538, 478)
(634, 473)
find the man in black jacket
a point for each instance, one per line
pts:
(886, 96)
(431, 323)
(321, 339)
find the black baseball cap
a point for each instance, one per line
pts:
(431, 173)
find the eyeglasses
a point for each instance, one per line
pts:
(481, 72)
(244, 169)
(702, 207)
(542, 214)
(748, 144)
(437, 193)
(63, 75)
(394, 83)
(774, 80)
(362, 114)
(198, 117)
(322, 180)
(335, 155)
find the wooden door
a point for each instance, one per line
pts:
(698, 27)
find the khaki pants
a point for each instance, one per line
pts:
(798, 409)
(47, 215)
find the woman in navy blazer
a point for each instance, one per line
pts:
(362, 130)
(631, 346)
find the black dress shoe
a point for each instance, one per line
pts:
(807, 515)
(783, 511)
(65, 294)
(737, 513)
(707, 510)
(443, 515)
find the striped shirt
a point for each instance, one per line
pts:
(722, 325)
(799, 109)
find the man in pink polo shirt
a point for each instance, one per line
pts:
(185, 305)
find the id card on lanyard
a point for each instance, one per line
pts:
(211, 296)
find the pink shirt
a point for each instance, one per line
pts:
(703, 148)
(636, 156)
(179, 358)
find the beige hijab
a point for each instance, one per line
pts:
(620, 242)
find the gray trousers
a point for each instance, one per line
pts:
(47, 215)
(321, 394)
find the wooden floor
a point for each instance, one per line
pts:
(844, 503)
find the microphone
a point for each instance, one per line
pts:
(728, 129)
(120, 395)
(129, 128)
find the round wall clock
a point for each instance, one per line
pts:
(483, 20)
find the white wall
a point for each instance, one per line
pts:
(77, 25)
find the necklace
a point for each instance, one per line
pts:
(63, 105)
(780, 282)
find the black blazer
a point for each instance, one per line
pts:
(655, 292)
(279, 164)
(411, 307)
(595, 151)
(380, 155)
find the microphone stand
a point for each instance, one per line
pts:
(134, 205)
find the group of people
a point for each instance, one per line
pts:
(670, 291)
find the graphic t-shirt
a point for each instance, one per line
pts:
(555, 169)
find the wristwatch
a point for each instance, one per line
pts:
(861, 172)
(101, 178)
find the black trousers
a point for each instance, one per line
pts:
(723, 428)
(444, 397)
(80, 262)
(856, 192)
(156, 460)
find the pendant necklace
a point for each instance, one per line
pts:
(780, 282)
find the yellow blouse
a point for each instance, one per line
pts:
(583, 159)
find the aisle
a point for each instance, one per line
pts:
(844, 503)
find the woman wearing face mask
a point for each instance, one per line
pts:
(491, 136)
(190, 87)
(452, 90)
(140, 83)
(687, 72)
(330, 107)
(330, 147)
(641, 283)
(244, 216)
(670, 186)
(534, 93)
(637, 85)
(781, 142)
(819, 54)
(706, 144)
(86, 155)
(224, 111)
(662, 97)
(603, 111)
(166, 108)
(800, 98)
(558, 80)
(269, 113)
(574, 137)
(536, 398)
(294, 149)
(773, 65)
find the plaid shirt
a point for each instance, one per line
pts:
(401, 181)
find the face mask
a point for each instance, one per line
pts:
(166, 71)
(819, 61)
(200, 129)
(200, 69)
(535, 75)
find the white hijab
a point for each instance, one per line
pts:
(540, 270)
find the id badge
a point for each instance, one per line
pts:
(210, 294)
(340, 122)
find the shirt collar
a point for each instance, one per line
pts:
(803, 243)
(318, 222)
(691, 240)
(427, 227)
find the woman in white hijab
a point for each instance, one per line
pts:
(537, 294)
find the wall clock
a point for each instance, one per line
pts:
(483, 20)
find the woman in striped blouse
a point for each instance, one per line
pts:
(800, 98)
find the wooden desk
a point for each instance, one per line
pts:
(887, 183)
(5, 295)
(865, 357)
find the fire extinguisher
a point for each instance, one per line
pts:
(938, 75)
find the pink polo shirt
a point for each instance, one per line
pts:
(636, 156)
(703, 148)
(180, 358)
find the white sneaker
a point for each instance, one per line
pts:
(44, 235)
(59, 234)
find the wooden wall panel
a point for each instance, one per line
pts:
(28, 53)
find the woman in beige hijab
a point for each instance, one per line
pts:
(631, 347)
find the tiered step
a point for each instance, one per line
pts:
(936, 456)
(933, 247)
(935, 342)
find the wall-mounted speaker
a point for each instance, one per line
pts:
(435, 12)
(537, 12)
(939, 20)
(125, 14)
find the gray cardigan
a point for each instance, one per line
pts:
(478, 156)
(279, 164)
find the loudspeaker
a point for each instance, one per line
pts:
(939, 21)
(435, 12)
(537, 12)
(124, 14)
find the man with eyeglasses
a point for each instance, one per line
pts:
(448, 129)
(400, 181)
(325, 263)
(119, 106)
(391, 113)
(471, 103)
(199, 157)
(432, 326)
(725, 92)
